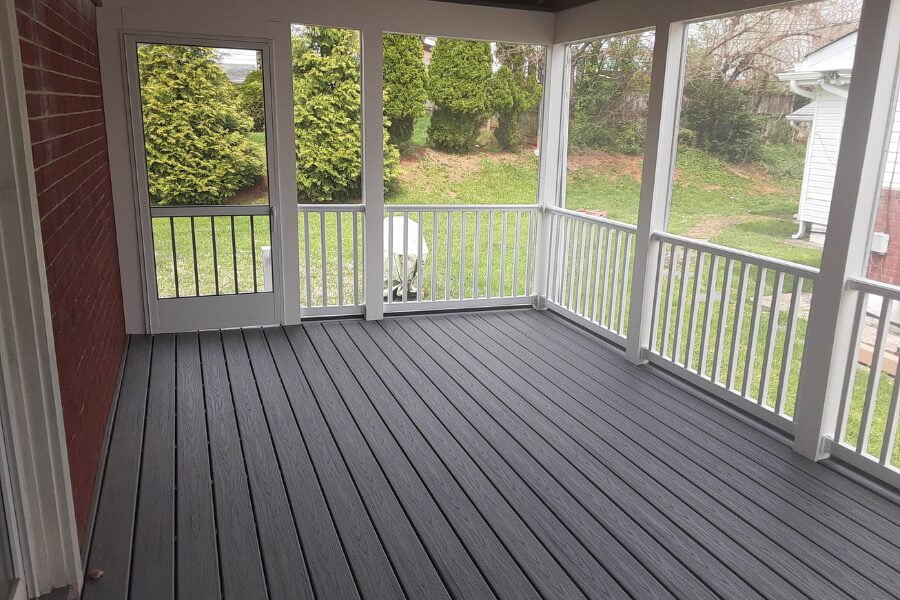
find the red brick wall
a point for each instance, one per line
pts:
(886, 267)
(65, 113)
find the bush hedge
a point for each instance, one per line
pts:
(405, 85)
(250, 94)
(458, 82)
(327, 116)
(722, 119)
(195, 132)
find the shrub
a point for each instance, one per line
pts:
(611, 83)
(194, 129)
(512, 94)
(722, 119)
(459, 76)
(405, 82)
(250, 94)
(327, 116)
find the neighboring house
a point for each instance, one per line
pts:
(237, 63)
(824, 77)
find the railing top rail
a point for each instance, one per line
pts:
(459, 207)
(885, 290)
(312, 207)
(210, 211)
(757, 259)
(593, 218)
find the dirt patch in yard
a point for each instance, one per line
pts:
(458, 167)
(620, 164)
(713, 226)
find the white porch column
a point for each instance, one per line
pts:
(656, 179)
(552, 170)
(287, 243)
(373, 169)
(870, 108)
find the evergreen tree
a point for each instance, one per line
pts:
(405, 82)
(458, 80)
(514, 91)
(195, 132)
(252, 101)
(327, 115)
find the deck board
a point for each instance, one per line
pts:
(506, 455)
(153, 571)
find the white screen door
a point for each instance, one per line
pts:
(202, 130)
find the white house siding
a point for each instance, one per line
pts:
(821, 159)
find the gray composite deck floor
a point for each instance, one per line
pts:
(491, 455)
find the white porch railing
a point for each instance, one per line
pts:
(331, 258)
(591, 260)
(869, 411)
(210, 250)
(731, 322)
(458, 256)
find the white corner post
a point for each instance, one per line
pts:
(870, 109)
(286, 242)
(552, 169)
(373, 170)
(34, 475)
(660, 147)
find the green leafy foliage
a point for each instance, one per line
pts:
(512, 94)
(195, 132)
(405, 85)
(610, 84)
(459, 80)
(327, 116)
(722, 119)
(250, 94)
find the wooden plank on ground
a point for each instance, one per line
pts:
(373, 572)
(330, 574)
(595, 485)
(409, 418)
(153, 565)
(286, 571)
(243, 576)
(412, 563)
(114, 527)
(456, 567)
(197, 551)
(545, 548)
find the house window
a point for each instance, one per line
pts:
(609, 88)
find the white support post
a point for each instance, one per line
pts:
(552, 170)
(870, 108)
(373, 170)
(286, 240)
(656, 179)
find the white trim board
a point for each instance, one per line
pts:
(39, 468)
